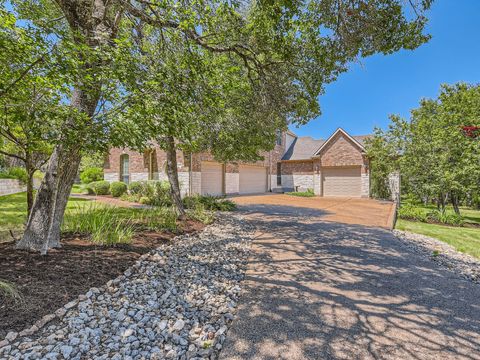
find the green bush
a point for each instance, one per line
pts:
(200, 213)
(101, 187)
(118, 188)
(144, 200)
(308, 193)
(136, 187)
(446, 218)
(92, 174)
(411, 212)
(15, 172)
(150, 192)
(212, 203)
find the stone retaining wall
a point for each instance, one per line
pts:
(11, 186)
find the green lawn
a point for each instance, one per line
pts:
(13, 213)
(463, 239)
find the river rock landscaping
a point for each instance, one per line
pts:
(176, 302)
(443, 254)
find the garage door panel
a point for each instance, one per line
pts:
(253, 179)
(212, 178)
(342, 182)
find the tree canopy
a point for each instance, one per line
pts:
(435, 158)
(247, 67)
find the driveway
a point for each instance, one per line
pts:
(319, 289)
(358, 211)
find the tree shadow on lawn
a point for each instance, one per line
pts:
(324, 290)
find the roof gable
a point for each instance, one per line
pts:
(333, 136)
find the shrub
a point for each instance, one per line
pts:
(200, 213)
(136, 187)
(118, 188)
(446, 218)
(15, 172)
(101, 187)
(159, 193)
(144, 200)
(209, 203)
(410, 212)
(152, 192)
(308, 193)
(92, 174)
(104, 225)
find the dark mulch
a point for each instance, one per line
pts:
(48, 282)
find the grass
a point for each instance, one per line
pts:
(465, 240)
(108, 225)
(9, 290)
(308, 193)
(13, 213)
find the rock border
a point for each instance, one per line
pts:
(24, 339)
(443, 254)
(62, 311)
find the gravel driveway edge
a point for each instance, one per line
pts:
(443, 254)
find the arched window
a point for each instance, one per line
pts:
(125, 168)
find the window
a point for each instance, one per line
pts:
(124, 168)
(279, 137)
(279, 173)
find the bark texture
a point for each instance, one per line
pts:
(172, 173)
(43, 227)
(93, 24)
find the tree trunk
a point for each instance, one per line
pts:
(172, 172)
(441, 202)
(30, 171)
(454, 200)
(43, 226)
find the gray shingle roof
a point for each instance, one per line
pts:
(304, 148)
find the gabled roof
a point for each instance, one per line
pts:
(343, 132)
(302, 148)
(306, 147)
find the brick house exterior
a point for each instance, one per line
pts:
(296, 163)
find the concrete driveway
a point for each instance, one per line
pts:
(358, 211)
(319, 289)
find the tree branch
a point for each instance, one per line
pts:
(13, 155)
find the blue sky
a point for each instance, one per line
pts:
(381, 85)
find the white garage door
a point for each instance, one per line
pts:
(342, 182)
(212, 178)
(253, 179)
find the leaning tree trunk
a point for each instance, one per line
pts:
(43, 227)
(172, 172)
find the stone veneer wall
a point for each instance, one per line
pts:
(11, 186)
(365, 184)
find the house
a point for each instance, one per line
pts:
(337, 166)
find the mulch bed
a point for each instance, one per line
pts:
(48, 282)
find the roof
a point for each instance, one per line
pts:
(302, 148)
(361, 138)
(305, 147)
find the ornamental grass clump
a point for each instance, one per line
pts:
(104, 225)
(9, 291)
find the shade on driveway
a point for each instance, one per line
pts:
(358, 211)
(319, 289)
